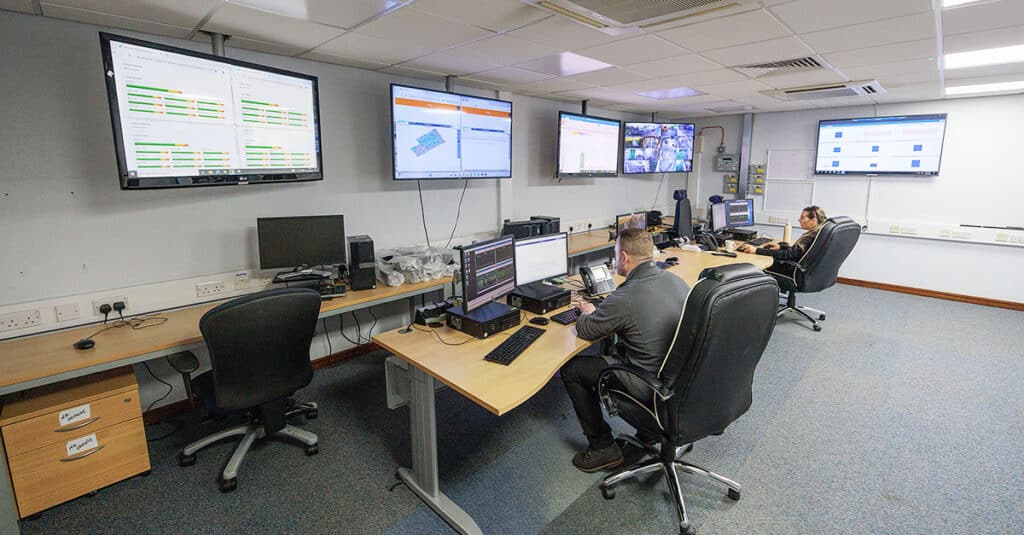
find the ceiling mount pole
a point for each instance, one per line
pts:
(583, 106)
(217, 42)
(449, 83)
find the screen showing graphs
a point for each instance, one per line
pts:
(657, 148)
(587, 145)
(448, 135)
(906, 144)
(183, 118)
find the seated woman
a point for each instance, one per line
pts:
(811, 219)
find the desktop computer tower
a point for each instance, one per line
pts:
(362, 265)
(548, 224)
(522, 229)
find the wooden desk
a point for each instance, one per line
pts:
(495, 387)
(49, 358)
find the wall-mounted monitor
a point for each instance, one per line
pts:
(184, 118)
(587, 145)
(438, 135)
(898, 145)
(657, 148)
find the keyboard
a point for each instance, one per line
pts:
(757, 242)
(508, 350)
(567, 317)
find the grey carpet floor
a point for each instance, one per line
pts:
(904, 415)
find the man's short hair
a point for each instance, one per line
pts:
(636, 242)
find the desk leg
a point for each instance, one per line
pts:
(422, 478)
(8, 507)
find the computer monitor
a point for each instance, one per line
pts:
(732, 213)
(587, 145)
(541, 257)
(287, 242)
(488, 271)
(657, 148)
(633, 220)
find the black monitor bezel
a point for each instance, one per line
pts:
(817, 141)
(223, 180)
(558, 150)
(516, 262)
(462, 266)
(618, 230)
(391, 112)
(259, 242)
(748, 200)
(625, 125)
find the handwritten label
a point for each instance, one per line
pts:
(86, 443)
(74, 414)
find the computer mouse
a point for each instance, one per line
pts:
(540, 320)
(84, 343)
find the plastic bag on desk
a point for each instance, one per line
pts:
(414, 264)
(387, 275)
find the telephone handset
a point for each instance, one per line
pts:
(709, 241)
(597, 280)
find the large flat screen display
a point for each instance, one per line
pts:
(447, 135)
(657, 148)
(587, 145)
(901, 145)
(184, 118)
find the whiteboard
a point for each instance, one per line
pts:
(846, 196)
(790, 164)
(788, 196)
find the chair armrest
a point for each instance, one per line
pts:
(795, 265)
(652, 382)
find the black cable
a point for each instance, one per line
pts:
(658, 193)
(369, 336)
(327, 335)
(359, 328)
(341, 318)
(170, 387)
(423, 214)
(458, 213)
(442, 340)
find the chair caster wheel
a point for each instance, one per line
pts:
(821, 317)
(186, 460)
(313, 450)
(228, 485)
(686, 529)
(734, 495)
(91, 494)
(608, 493)
(817, 328)
(311, 415)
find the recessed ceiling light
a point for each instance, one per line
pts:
(986, 88)
(676, 92)
(958, 3)
(564, 64)
(980, 58)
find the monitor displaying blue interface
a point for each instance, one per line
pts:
(438, 135)
(732, 213)
(904, 144)
(587, 145)
(657, 148)
(488, 271)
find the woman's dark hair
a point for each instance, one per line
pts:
(817, 213)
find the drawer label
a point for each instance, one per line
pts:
(74, 414)
(86, 443)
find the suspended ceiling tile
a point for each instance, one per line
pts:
(563, 64)
(509, 76)
(331, 12)
(24, 6)
(779, 49)
(562, 34)
(180, 13)
(349, 62)
(730, 90)
(924, 48)
(879, 70)
(260, 46)
(808, 16)
(363, 47)
(839, 102)
(609, 76)
(965, 42)
(894, 30)
(678, 65)
(749, 27)
(634, 50)
(413, 73)
(691, 80)
(983, 16)
(1014, 70)
(114, 21)
(414, 26)
(259, 25)
(554, 85)
(452, 61)
(506, 50)
(497, 15)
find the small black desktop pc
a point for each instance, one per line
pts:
(488, 272)
(539, 258)
(548, 224)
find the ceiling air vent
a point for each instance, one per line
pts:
(626, 16)
(817, 92)
(758, 70)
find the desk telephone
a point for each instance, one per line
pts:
(597, 280)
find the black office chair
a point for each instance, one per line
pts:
(259, 353)
(818, 269)
(705, 380)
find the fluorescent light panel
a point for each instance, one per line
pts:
(986, 88)
(981, 58)
(676, 92)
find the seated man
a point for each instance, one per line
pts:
(644, 312)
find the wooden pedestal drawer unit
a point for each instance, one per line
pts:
(71, 438)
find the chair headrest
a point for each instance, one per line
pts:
(730, 272)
